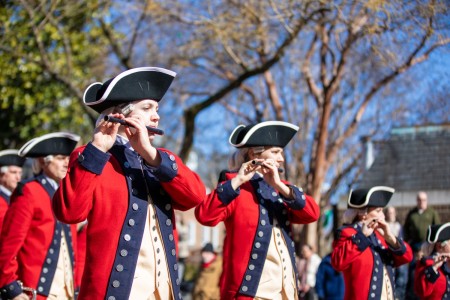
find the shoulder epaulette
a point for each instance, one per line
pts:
(223, 175)
(21, 184)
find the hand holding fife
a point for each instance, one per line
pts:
(138, 136)
(439, 259)
(260, 163)
(383, 228)
(245, 173)
(105, 134)
(368, 226)
(112, 119)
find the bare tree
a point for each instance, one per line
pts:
(337, 69)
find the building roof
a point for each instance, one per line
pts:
(412, 159)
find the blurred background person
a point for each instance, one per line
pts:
(10, 175)
(329, 282)
(207, 283)
(35, 248)
(432, 277)
(418, 220)
(410, 294)
(307, 269)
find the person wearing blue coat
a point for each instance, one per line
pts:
(329, 282)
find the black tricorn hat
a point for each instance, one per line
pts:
(57, 143)
(269, 133)
(10, 157)
(377, 196)
(131, 85)
(208, 248)
(438, 233)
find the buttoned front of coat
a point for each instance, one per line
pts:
(248, 214)
(30, 242)
(4, 203)
(363, 261)
(111, 190)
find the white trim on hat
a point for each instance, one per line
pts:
(31, 143)
(120, 76)
(371, 191)
(437, 232)
(9, 152)
(232, 133)
(258, 126)
(87, 89)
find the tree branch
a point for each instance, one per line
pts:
(191, 112)
(306, 70)
(124, 60)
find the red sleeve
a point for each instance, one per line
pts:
(426, 280)
(308, 214)
(73, 199)
(15, 228)
(213, 210)
(3, 209)
(186, 189)
(345, 250)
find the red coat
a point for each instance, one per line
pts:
(81, 252)
(361, 259)
(4, 203)
(430, 285)
(108, 189)
(27, 243)
(248, 217)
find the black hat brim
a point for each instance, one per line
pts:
(57, 143)
(438, 233)
(11, 157)
(129, 86)
(378, 196)
(269, 133)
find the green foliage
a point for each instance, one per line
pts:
(46, 50)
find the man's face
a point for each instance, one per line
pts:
(422, 201)
(11, 177)
(56, 169)
(207, 256)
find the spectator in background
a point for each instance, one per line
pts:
(307, 268)
(418, 220)
(401, 272)
(329, 282)
(391, 219)
(409, 293)
(10, 175)
(433, 270)
(207, 283)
